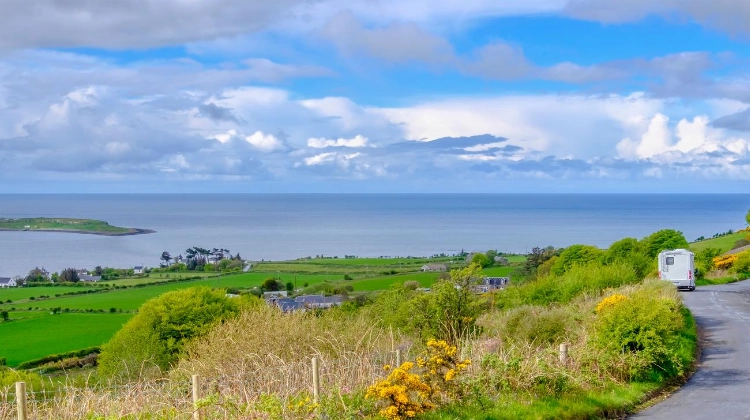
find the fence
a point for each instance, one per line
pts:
(191, 399)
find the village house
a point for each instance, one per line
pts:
(6, 282)
(89, 278)
(304, 303)
(492, 283)
(434, 267)
(138, 269)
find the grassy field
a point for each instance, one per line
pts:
(39, 336)
(44, 223)
(22, 293)
(35, 333)
(724, 243)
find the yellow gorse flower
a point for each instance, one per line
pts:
(610, 301)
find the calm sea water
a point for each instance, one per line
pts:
(289, 226)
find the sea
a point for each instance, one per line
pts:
(289, 226)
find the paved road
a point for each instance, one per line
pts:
(720, 388)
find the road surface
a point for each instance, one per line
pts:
(720, 388)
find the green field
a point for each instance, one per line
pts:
(35, 333)
(40, 336)
(62, 224)
(22, 293)
(724, 243)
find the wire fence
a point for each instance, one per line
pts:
(199, 397)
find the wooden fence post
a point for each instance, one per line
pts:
(398, 358)
(21, 400)
(316, 380)
(564, 353)
(196, 397)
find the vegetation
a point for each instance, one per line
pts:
(65, 225)
(155, 337)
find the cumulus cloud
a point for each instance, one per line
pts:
(320, 143)
(264, 142)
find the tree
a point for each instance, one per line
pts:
(289, 287)
(36, 276)
(152, 340)
(491, 254)
(271, 285)
(481, 260)
(662, 240)
(536, 258)
(69, 275)
(575, 255)
(747, 218)
(4, 315)
(166, 257)
(98, 270)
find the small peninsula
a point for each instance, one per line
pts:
(66, 225)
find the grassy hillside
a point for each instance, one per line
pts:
(62, 224)
(724, 243)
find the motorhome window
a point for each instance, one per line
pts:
(670, 260)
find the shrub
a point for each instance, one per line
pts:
(643, 329)
(404, 393)
(724, 262)
(575, 255)
(151, 341)
(742, 263)
(533, 324)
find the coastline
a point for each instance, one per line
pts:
(130, 232)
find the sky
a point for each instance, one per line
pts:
(496, 96)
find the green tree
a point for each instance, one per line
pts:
(631, 252)
(662, 240)
(4, 315)
(575, 255)
(481, 260)
(747, 218)
(152, 340)
(491, 254)
(69, 275)
(36, 276)
(289, 287)
(271, 285)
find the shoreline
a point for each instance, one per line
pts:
(130, 232)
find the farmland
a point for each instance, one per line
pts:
(90, 314)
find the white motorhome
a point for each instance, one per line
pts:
(678, 267)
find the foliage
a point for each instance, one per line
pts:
(610, 301)
(57, 357)
(643, 329)
(69, 275)
(742, 263)
(663, 240)
(405, 393)
(36, 275)
(575, 255)
(747, 218)
(724, 262)
(157, 334)
(562, 289)
(631, 252)
(271, 284)
(441, 366)
(481, 260)
(704, 259)
(448, 312)
(535, 258)
(8, 377)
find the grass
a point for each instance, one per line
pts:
(45, 223)
(724, 243)
(22, 293)
(42, 335)
(368, 261)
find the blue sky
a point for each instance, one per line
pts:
(374, 95)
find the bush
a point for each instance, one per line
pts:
(575, 255)
(534, 324)
(742, 263)
(152, 340)
(643, 329)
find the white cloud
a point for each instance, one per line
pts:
(264, 142)
(320, 159)
(320, 143)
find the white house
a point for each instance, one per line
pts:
(7, 282)
(434, 267)
(138, 269)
